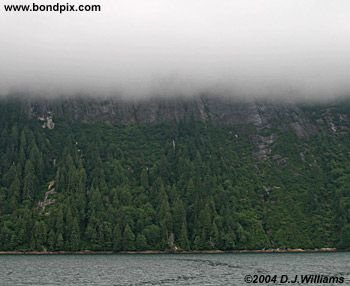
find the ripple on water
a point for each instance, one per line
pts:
(182, 269)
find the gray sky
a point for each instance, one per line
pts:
(142, 47)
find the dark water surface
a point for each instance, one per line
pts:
(184, 269)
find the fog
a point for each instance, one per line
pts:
(139, 48)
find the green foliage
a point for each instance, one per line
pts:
(189, 185)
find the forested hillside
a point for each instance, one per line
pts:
(192, 174)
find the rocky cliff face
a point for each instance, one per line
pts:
(266, 118)
(304, 119)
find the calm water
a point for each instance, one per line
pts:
(215, 269)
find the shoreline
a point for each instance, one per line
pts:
(87, 252)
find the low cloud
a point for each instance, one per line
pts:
(137, 48)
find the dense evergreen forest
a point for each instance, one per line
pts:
(189, 184)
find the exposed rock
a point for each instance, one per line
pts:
(46, 202)
(263, 145)
(299, 130)
(47, 121)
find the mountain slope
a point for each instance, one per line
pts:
(192, 173)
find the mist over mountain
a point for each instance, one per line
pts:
(277, 49)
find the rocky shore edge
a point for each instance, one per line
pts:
(82, 252)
